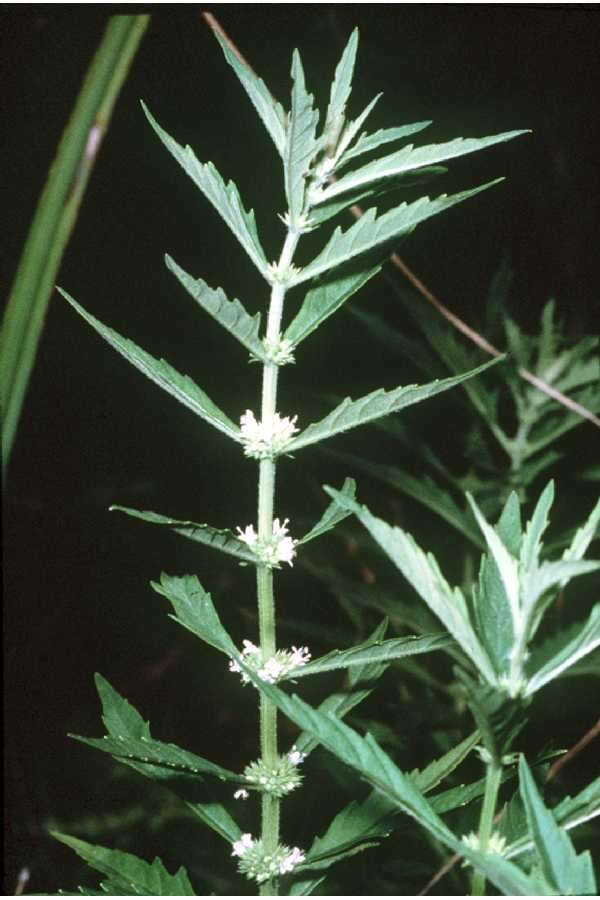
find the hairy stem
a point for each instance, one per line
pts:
(493, 777)
(264, 577)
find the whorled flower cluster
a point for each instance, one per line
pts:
(273, 669)
(256, 863)
(278, 780)
(280, 548)
(265, 439)
(496, 843)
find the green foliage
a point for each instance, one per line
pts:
(490, 625)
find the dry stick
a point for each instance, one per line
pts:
(22, 879)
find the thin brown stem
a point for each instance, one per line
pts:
(570, 755)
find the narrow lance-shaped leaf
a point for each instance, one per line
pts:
(369, 232)
(507, 565)
(218, 819)
(422, 571)
(369, 653)
(410, 158)
(352, 129)
(161, 373)
(129, 873)
(224, 197)
(229, 313)
(585, 641)
(532, 539)
(301, 144)
(270, 111)
(584, 535)
(368, 142)
(352, 413)
(567, 872)
(332, 515)
(340, 92)
(195, 610)
(323, 300)
(217, 538)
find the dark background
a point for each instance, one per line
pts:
(94, 432)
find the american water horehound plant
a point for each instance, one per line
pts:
(323, 175)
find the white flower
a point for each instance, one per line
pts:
(278, 666)
(296, 757)
(245, 843)
(496, 843)
(242, 794)
(248, 535)
(299, 656)
(267, 438)
(285, 545)
(293, 859)
(280, 548)
(272, 670)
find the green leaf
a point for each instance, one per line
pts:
(352, 413)
(332, 515)
(352, 129)
(552, 574)
(368, 142)
(229, 313)
(195, 610)
(323, 300)
(369, 652)
(428, 778)
(532, 541)
(301, 143)
(305, 887)
(410, 158)
(567, 872)
(161, 373)
(218, 538)
(370, 232)
(270, 111)
(218, 819)
(130, 873)
(118, 715)
(224, 197)
(585, 641)
(584, 535)
(422, 572)
(357, 827)
(340, 92)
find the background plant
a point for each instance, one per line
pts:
(186, 449)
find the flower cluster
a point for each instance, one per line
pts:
(280, 351)
(281, 274)
(277, 780)
(496, 843)
(280, 548)
(273, 669)
(263, 440)
(256, 863)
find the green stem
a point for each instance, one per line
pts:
(264, 576)
(493, 777)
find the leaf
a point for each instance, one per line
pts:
(129, 873)
(305, 887)
(585, 641)
(352, 413)
(428, 778)
(229, 313)
(357, 827)
(565, 870)
(340, 92)
(323, 300)
(352, 129)
(552, 574)
(370, 232)
(422, 572)
(118, 715)
(584, 536)
(224, 197)
(161, 373)
(270, 111)
(530, 550)
(410, 158)
(216, 817)
(368, 142)
(301, 144)
(332, 515)
(369, 652)
(217, 538)
(195, 610)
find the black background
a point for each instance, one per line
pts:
(93, 432)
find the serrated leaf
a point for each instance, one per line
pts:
(357, 827)
(352, 413)
(161, 373)
(552, 574)
(410, 158)
(370, 232)
(340, 92)
(369, 653)
(584, 535)
(224, 197)
(422, 572)
(585, 641)
(428, 778)
(195, 610)
(129, 872)
(229, 313)
(565, 870)
(532, 539)
(118, 715)
(218, 538)
(301, 143)
(218, 819)
(332, 515)
(368, 142)
(323, 300)
(270, 111)
(352, 129)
